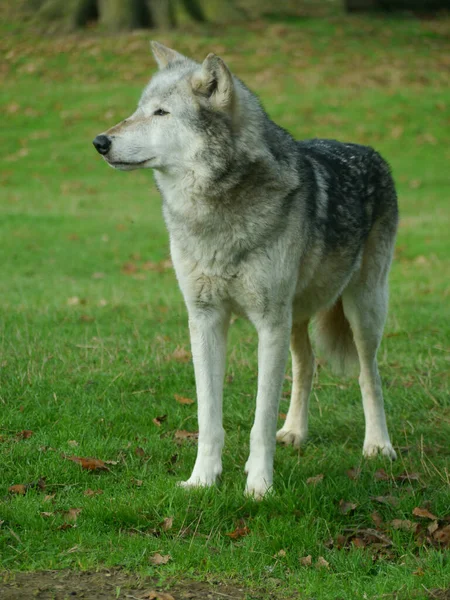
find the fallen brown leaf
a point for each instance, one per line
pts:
(46, 514)
(139, 451)
(390, 500)
(404, 524)
(381, 475)
(91, 493)
(280, 554)
(238, 533)
(182, 434)
(347, 507)
(442, 536)
(128, 268)
(354, 473)
(153, 595)
(376, 518)
(158, 420)
(91, 464)
(183, 400)
(159, 559)
(434, 526)
(71, 514)
(306, 561)
(25, 434)
(167, 524)
(405, 477)
(315, 480)
(424, 513)
(180, 354)
(65, 526)
(18, 488)
(321, 563)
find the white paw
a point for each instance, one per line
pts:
(289, 437)
(198, 482)
(372, 449)
(203, 475)
(258, 487)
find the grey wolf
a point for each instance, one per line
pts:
(280, 231)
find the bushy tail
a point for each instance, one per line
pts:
(334, 340)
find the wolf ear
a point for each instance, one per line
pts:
(214, 81)
(164, 55)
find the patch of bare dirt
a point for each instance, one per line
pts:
(114, 585)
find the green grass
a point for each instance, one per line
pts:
(99, 369)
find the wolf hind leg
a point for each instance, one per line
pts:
(365, 308)
(295, 429)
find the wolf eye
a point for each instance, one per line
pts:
(160, 112)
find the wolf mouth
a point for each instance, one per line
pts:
(128, 164)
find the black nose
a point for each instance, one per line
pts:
(102, 144)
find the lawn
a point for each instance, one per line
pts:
(94, 347)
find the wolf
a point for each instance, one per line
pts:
(283, 232)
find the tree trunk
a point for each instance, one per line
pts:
(163, 13)
(115, 15)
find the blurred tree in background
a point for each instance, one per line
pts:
(115, 15)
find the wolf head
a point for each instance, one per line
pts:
(187, 114)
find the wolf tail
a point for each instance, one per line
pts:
(334, 340)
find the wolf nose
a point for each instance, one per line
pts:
(102, 144)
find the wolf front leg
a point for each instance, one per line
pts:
(273, 347)
(208, 342)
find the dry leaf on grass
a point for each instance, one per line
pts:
(158, 420)
(347, 507)
(159, 559)
(25, 434)
(182, 434)
(280, 554)
(424, 513)
(182, 399)
(315, 480)
(90, 464)
(238, 533)
(404, 524)
(167, 524)
(71, 514)
(434, 526)
(321, 563)
(21, 489)
(89, 493)
(390, 500)
(376, 518)
(153, 595)
(381, 475)
(442, 536)
(139, 451)
(354, 473)
(180, 354)
(306, 561)
(18, 488)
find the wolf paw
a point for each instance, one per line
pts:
(197, 482)
(257, 488)
(384, 448)
(288, 437)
